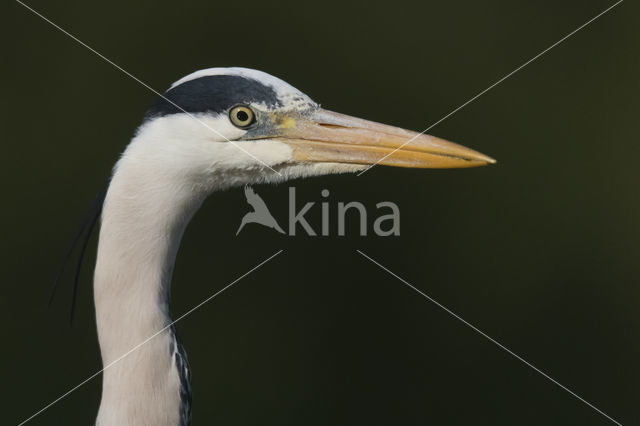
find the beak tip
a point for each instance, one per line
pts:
(485, 159)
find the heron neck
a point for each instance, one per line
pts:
(144, 217)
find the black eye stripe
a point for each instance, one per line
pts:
(217, 94)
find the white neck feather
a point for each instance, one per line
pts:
(145, 214)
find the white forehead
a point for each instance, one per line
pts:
(288, 94)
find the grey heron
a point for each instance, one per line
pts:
(257, 129)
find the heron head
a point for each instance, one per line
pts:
(252, 127)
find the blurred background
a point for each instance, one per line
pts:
(539, 251)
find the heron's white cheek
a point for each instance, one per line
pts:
(193, 127)
(251, 154)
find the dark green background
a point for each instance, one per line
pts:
(539, 251)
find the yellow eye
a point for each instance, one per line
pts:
(242, 116)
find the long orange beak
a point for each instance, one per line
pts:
(327, 136)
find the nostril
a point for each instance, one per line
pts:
(332, 126)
